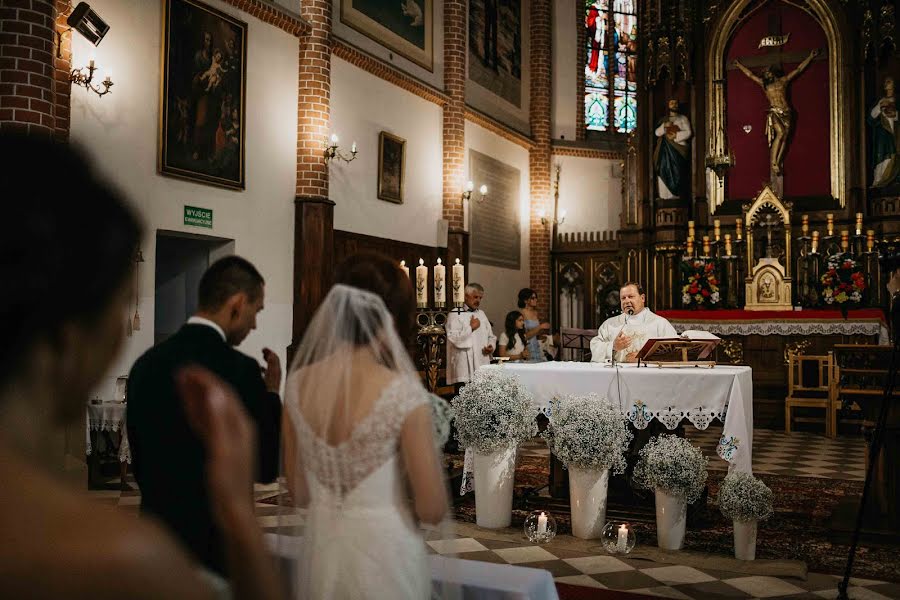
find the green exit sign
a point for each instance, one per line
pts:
(198, 217)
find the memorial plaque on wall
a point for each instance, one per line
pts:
(495, 226)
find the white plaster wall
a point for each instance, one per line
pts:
(501, 285)
(120, 132)
(363, 105)
(434, 77)
(565, 70)
(590, 191)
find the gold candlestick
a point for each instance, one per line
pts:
(689, 250)
(727, 244)
(804, 227)
(705, 245)
(716, 230)
(859, 223)
(870, 240)
(815, 242)
(830, 224)
(845, 240)
(739, 224)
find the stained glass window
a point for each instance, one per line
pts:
(610, 78)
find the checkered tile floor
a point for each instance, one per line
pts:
(796, 454)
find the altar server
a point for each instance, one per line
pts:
(624, 335)
(470, 340)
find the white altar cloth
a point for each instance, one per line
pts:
(666, 394)
(107, 416)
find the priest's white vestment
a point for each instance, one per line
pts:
(464, 346)
(641, 327)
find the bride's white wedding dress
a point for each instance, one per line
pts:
(361, 537)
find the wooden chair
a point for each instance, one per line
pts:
(810, 385)
(577, 342)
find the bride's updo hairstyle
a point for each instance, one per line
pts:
(381, 276)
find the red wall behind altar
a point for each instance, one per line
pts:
(806, 162)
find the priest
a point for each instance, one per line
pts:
(622, 336)
(470, 340)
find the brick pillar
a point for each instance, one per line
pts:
(454, 130)
(539, 158)
(62, 68)
(314, 216)
(27, 48)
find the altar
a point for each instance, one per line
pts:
(669, 395)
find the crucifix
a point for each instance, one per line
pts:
(774, 83)
(770, 223)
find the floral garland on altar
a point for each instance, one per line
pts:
(701, 284)
(843, 282)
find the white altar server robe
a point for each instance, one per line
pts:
(464, 346)
(640, 327)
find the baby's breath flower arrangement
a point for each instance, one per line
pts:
(744, 498)
(588, 432)
(494, 411)
(673, 465)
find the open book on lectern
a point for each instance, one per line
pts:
(690, 348)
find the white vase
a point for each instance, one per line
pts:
(494, 477)
(745, 540)
(587, 499)
(671, 519)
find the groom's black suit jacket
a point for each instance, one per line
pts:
(168, 459)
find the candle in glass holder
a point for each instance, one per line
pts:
(738, 225)
(705, 245)
(689, 249)
(440, 291)
(830, 224)
(542, 524)
(716, 228)
(804, 227)
(422, 284)
(845, 240)
(459, 284)
(622, 540)
(858, 223)
(870, 240)
(815, 242)
(727, 244)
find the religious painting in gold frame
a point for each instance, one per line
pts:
(391, 163)
(202, 95)
(404, 27)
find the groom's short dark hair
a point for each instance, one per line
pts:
(225, 278)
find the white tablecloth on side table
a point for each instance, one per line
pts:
(108, 416)
(669, 395)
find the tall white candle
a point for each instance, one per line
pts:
(459, 284)
(422, 284)
(440, 289)
(404, 268)
(622, 541)
(542, 524)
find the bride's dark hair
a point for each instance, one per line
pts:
(382, 276)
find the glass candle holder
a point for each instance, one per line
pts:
(540, 527)
(618, 538)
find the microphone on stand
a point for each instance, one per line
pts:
(628, 312)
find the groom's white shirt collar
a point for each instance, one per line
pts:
(195, 320)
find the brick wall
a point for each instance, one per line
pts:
(62, 68)
(539, 158)
(27, 48)
(314, 96)
(455, 16)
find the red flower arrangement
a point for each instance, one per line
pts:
(700, 287)
(843, 282)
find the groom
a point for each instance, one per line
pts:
(168, 458)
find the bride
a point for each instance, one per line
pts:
(360, 454)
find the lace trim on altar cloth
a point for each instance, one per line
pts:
(788, 328)
(373, 442)
(108, 418)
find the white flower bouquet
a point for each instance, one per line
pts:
(588, 432)
(744, 498)
(441, 416)
(494, 411)
(672, 464)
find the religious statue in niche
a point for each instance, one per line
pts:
(671, 155)
(883, 119)
(779, 116)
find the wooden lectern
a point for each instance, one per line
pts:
(678, 352)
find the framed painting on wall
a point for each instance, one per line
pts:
(202, 94)
(391, 156)
(404, 26)
(495, 47)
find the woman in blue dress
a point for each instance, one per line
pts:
(535, 330)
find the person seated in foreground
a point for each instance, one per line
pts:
(621, 337)
(68, 244)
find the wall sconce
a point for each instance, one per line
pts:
(467, 194)
(78, 77)
(332, 151)
(545, 220)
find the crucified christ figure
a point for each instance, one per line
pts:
(778, 119)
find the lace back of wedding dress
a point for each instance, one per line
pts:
(348, 523)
